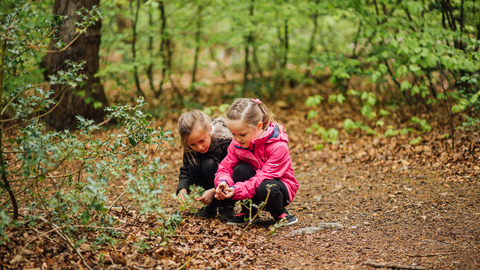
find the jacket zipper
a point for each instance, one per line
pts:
(259, 166)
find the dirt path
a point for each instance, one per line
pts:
(406, 217)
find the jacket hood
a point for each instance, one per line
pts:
(274, 133)
(220, 130)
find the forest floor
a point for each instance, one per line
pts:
(403, 206)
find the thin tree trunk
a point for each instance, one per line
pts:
(86, 49)
(134, 51)
(197, 40)
(248, 41)
(150, 51)
(163, 44)
(285, 45)
(255, 58)
(311, 45)
(3, 166)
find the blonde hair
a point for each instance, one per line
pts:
(250, 113)
(189, 122)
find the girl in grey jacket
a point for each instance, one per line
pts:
(205, 143)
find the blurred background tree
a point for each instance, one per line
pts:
(89, 100)
(409, 57)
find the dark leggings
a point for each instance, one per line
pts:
(278, 198)
(202, 173)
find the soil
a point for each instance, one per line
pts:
(401, 205)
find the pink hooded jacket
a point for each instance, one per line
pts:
(268, 156)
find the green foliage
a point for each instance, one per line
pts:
(65, 176)
(416, 140)
(422, 122)
(328, 135)
(408, 51)
(221, 109)
(189, 204)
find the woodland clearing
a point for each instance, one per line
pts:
(403, 206)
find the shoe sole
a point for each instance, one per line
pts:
(244, 223)
(289, 223)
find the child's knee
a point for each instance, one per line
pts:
(242, 172)
(264, 188)
(209, 164)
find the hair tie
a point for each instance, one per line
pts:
(257, 101)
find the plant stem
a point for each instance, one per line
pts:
(67, 239)
(249, 223)
(3, 168)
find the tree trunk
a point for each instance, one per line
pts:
(84, 49)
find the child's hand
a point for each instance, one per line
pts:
(223, 191)
(181, 194)
(207, 196)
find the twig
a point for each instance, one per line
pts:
(248, 225)
(61, 227)
(67, 239)
(119, 197)
(394, 266)
(194, 235)
(431, 255)
(187, 262)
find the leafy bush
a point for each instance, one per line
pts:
(64, 177)
(423, 54)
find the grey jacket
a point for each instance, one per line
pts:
(221, 139)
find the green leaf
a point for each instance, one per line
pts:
(81, 93)
(384, 112)
(208, 111)
(97, 104)
(313, 101)
(366, 110)
(85, 217)
(312, 114)
(318, 146)
(353, 92)
(416, 140)
(132, 141)
(380, 123)
(405, 85)
(349, 125)
(223, 108)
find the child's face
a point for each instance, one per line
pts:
(243, 133)
(199, 140)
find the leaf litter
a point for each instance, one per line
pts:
(395, 204)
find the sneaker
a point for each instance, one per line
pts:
(286, 217)
(242, 218)
(226, 212)
(207, 211)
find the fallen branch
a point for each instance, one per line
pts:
(187, 262)
(430, 255)
(394, 266)
(119, 197)
(67, 239)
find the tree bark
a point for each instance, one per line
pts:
(84, 49)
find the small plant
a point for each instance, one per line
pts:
(328, 135)
(142, 246)
(422, 122)
(210, 110)
(189, 204)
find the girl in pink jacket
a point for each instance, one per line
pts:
(258, 156)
